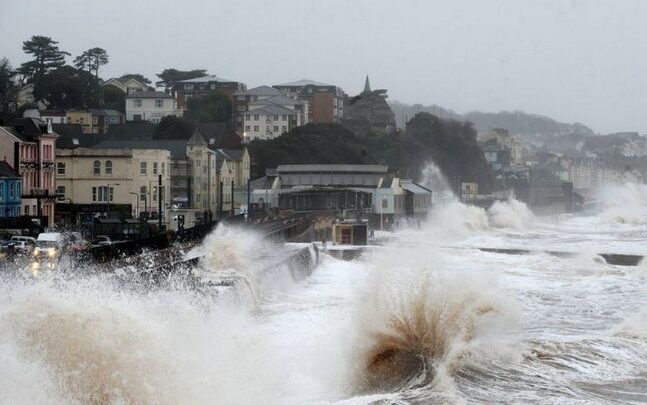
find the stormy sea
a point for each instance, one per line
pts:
(426, 316)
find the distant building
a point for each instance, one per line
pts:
(366, 191)
(325, 101)
(268, 122)
(91, 120)
(25, 95)
(201, 86)
(149, 106)
(505, 140)
(369, 111)
(126, 85)
(265, 97)
(10, 191)
(28, 144)
(53, 116)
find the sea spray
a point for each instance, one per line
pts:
(624, 203)
(510, 213)
(418, 324)
(230, 253)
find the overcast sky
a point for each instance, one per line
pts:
(573, 60)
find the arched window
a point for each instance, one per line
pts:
(97, 168)
(109, 167)
(60, 167)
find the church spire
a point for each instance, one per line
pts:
(367, 86)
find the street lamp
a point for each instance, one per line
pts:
(136, 206)
(108, 198)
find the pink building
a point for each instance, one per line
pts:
(29, 146)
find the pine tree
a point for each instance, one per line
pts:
(46, 57)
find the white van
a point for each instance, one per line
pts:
(48, 244)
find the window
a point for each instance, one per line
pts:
(197, 198)
(112, 194)
(142, 193)
(94, 194)
(60, 191)
(284, 117)
(276, 128)
(159, 103)
(241, 108)
(155, 193)
(97, 168)
(26, 209)
(255, 117)
(247, 127)
(154, 167)
(163, 168)
(276, 118)
(256, 128)
(138, 103)
(247, 117)
(109, 167)
(1, 190)
(101, 194)
(284, 128)
(142, 168)
(60, 168)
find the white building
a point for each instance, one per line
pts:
(268, 121)
(149, 106)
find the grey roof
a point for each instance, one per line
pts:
(260, 91)
(196, 139)
(207, 79)
(271, 109)
(262, 183)
(27, 129)
(148, 94)
(413, 187)
(332, 168)
(71, 136)
(280, 100)
(176, 147)
(232, 154)
(213, 132)
(7, 172)
(301, 83)
(131, 130)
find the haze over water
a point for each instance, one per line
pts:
(425, 317)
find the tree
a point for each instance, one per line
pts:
(67, 87)
(170, 77)
(171, 127)
(136, 76)
(7, 84)
(91, 60)
(114, 98)
(46, 57)
(214, 107)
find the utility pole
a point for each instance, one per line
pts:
(159, 202)
(233, 210)
(248, 199)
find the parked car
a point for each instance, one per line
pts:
(102, 240)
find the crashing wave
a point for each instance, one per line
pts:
(511, 214)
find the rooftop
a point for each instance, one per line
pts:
(176, 147)
(260, 91)
(6, 171)
(207, 79)
(148, 94)
(269, 109)
(301, 83)
(332, 169)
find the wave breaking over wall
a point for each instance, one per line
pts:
(418, 325)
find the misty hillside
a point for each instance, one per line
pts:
(528, 126)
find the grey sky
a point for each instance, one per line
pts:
(572, 60)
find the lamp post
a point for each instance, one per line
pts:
(136, 206)
(108, 198)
